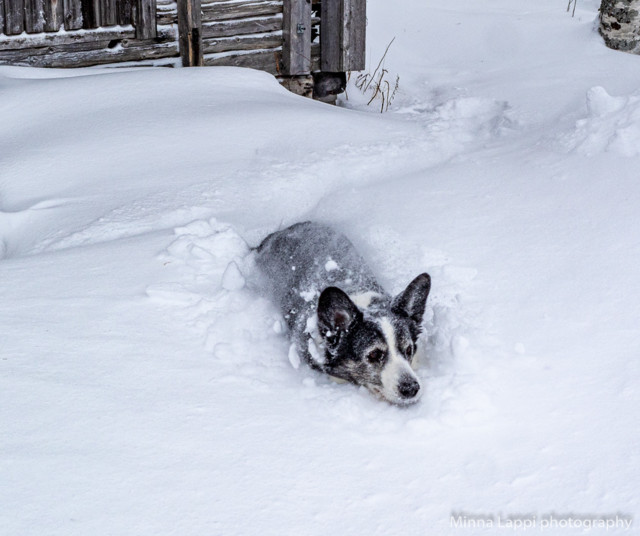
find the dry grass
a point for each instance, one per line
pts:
(377, 84)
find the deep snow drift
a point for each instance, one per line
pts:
(146, 388)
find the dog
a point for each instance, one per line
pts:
(341, 320)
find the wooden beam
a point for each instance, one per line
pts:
(146, 19)
(84, 54)
(296, 33)
(238, 10)
(226, 44)
(343, 35)
(72, 14)
(241, 27)
(18, 42)
(263, 60)
(13, 16)
(190, 32)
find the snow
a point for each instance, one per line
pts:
(147, 387)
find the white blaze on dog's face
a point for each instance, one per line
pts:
(399, 382)
(375, 347)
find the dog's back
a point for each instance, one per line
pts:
(304, 259)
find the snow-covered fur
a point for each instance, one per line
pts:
(341, 320)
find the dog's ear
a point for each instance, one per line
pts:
(413, 300)
(336, 312)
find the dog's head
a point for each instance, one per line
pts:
(375, 348)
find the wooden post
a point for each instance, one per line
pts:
(14, 16)
(146, 20)
(190, 30)
(296, 32)
(72, 14)
(53, 15)
(343, 35)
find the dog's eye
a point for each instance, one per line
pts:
(375, 356)
(408, 351)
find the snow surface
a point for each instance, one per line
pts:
(147, 388)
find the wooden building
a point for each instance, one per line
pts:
(305, 43)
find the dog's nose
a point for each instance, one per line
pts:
(408, 387)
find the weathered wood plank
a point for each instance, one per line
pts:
(124, 12)
(108, 12)
(343, 35)
(145, 22)
(87, 54)
(33, 16)
(296, 32)
(190, 32)
(355, 27)
(17, 42)
(72, 14)
(164, 5)
(330, 34)
(226, 44)
(91, 13)
(53, 15)
(264, 60)
(237, 10)
(13, 16)
(1, 16)
(166, 17)
(241, 27)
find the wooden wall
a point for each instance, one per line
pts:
(95, 32)
(36, 16)
(282, 37)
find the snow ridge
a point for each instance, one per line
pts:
(612, 124)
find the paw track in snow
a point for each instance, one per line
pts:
(210, 296)
(462, 119)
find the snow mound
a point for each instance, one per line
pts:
(612, 125)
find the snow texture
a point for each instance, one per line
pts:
(148, 388)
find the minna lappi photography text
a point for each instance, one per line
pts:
(546, 521)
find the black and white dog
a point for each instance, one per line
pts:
(341, 320)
